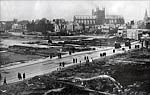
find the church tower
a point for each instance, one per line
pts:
(146, 16)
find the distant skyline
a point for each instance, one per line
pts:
(36, 9)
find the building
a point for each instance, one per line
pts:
(20, 26)
(147, 20)
(132, 34)
(86, 19)
(114, 19)
(59, 25)
(135, 34)
(98, 17)
(2, 30)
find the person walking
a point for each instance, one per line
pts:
(76, 60)
(130, 47)
(19, 76)
(60, 64)
(84, 57)
(87, 58)
(73, 60)
(0, 76)
(101, 55)
(5, 80)
(63, 64)
(24, 76)
(51, 56)
(113, 50)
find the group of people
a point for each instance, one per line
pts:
(5, 80)
(137, 46)
(61, 65)
(86, 58)
(59, 55)
(21, 76)
(103, 54)
(75, 60)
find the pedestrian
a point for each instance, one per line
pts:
(60, 56)
(19, 76)
(73, 60)
(84, 57)
(63, 63)
(87, 58)
(51, 56)
(0, 76)
(101, 55)
(69, 52)
(60, 64)
(104, 54)
(130, 47)
(80, 62)
(5, 80)
(76, 60)
(24, 76)
(113, 50)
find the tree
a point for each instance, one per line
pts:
(148, 25)
(83, 25)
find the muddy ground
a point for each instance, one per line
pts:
(126, 69)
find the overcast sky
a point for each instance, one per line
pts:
(66, 9)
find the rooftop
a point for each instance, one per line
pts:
(113, 17)
(84, 17)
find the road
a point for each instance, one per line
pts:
(47, 66)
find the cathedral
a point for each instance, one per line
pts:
(98, 17)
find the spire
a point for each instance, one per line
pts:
(146, 15)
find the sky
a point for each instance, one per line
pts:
(51, 9)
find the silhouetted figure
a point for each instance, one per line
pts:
(129, 47)
(24, 76)
(60, 64)
(101, 55)
(0, 76)
(76, 60)
(113, 50)
(51, 56)
(69, 52)
(123, 49)
(84, 57)
(87, 58)
(19, 76)
(5, 80)
(104, 54)
(63, 63)
(73, 60)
